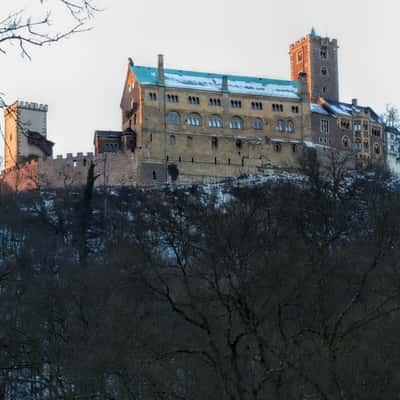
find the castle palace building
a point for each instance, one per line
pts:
(201, 127)
(197, 127)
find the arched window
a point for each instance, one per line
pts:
(194, 120)
(345, 141)
(258, 123)
(215, 122)
(290, 127)
(172, 139)
(236, 123)
(280, 126)
(377, 148)
(173, 118)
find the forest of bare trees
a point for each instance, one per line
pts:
(284, 290)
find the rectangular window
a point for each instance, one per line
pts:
(324, 126)
(277, 107)
(345, 124)
(215, 102)
(256, 105)
(193, 100)
(357, 125)
(324, 52)
(153, 96)
(300, 57)
(236, 104)
(172, 98)
(376, 131)
(214, 142)
(295, 109)
(365, 125)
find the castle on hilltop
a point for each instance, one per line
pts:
(194, 127)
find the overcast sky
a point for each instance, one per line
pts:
(81, 79)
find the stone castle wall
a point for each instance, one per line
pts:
(71, 171)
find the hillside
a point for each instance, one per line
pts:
(283, 288)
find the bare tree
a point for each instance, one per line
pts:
(391, 116)
(27, 31)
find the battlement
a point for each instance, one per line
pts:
(70, 156)
(323, 40)
(26, 105)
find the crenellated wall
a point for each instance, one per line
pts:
(111, 169)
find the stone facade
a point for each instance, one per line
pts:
(193, 127)
(71, 171)
(393, 149)
(349, 128)
(26, 133)
(318, 58)
(209, 135)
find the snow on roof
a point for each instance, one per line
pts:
(213, 82)
(318, 109)
(348, 109)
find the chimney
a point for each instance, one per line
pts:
(303, 87)
(160, 70)
(224, 83)
(354, 102)
(130, 61)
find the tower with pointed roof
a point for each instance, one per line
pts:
(317, 57)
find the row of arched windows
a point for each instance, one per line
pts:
(215, 121)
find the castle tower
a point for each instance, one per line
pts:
(25, 133)
(317, 57)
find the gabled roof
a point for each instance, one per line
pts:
(347, 109)
(213, 82)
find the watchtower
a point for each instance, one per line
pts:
(317, 57)
(25, 134)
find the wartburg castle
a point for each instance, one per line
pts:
(194, 127)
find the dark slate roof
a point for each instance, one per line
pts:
(213, 82)
(115, 134)
(346, 109)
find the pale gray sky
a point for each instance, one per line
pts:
(81, 79)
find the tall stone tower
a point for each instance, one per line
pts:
(25, 133)
(317, 57)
